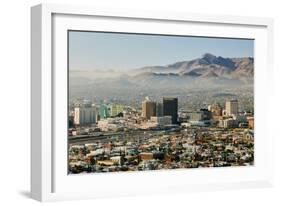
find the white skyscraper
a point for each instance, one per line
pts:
(85, 114)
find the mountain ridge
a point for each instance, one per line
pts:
(208, 72)
(241, 67)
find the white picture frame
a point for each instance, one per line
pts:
(49, 179)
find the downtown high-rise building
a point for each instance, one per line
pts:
(148, 108)
(85, 114)
(159, 109)
(170, 108)
(231, 107)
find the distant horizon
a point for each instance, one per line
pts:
(102, 51)
(124, 70)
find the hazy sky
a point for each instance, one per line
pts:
(103, 51)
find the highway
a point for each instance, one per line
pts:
(106, 137)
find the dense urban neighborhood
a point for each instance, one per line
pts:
(114, 137)
(139, 102)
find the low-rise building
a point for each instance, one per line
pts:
(251, 122)
(162, 121)
(228, 123)
(115, 109)
(215, 109)
(111, 124)
(201, 115)
(146, 156)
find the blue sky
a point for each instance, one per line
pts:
(104, 51)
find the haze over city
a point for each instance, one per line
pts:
(153, 102)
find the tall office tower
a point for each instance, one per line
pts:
(159, 109)
(231, 107)
(85, 114)
(170, 108)
(148, 108)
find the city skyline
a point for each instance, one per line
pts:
(192, 107)
(122, 51)
(141, 139)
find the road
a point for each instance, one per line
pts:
(106, 137)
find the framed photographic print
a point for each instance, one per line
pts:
(138, 102)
